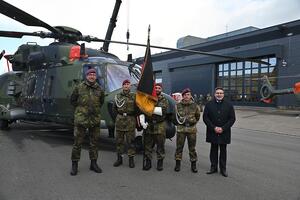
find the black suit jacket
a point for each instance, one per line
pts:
(222, 115)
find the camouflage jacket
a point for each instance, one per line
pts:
(87, 100)
(126, 108)
(188, 114)
(156, 123)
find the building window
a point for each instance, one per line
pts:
(158, 76)
(241, 80)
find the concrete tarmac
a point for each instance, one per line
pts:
(263, 163)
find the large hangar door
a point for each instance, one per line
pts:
(199, 79)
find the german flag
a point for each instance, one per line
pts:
(146, 96)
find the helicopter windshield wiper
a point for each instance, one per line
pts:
(133, 71)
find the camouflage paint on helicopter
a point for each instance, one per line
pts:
(42, 78)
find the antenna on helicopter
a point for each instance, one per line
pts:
(128, 15)
(127, 38)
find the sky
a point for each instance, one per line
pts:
(169, 20)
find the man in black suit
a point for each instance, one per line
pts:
(219, 116)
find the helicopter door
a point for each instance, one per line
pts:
(48, 94)
(34, 92)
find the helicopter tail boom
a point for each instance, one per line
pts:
(267, 91)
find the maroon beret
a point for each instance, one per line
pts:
(92, 70)
(125, 81)
(186, 90)
(158, 84)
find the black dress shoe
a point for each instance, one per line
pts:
(212, 171)
(224, 173)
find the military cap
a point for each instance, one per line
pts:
(92, 70)
(125, 81)
(186, 90)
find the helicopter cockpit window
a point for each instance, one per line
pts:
(116, 74)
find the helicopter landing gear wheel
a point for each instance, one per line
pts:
(3, 124)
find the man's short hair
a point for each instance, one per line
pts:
(186, 90)
(219, 88)
(158, 84)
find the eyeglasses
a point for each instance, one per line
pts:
(219, 92)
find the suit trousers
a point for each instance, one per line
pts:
(214, 149)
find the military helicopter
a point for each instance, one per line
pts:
(42, 77)
(267, 91)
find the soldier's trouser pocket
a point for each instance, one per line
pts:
(94, 132)
(79, 133)
(94, 139)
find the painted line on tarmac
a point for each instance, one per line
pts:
(270, 132)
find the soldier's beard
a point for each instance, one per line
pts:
(158, 93)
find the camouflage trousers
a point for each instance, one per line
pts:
(130, 136)
(180, 140)
(150, 140)
(79, 135)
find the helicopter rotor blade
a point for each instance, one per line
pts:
(94, 39)
(1, 54)
(15, 34)
(23, 17)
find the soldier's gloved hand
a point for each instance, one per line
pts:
(145, 125)
(142, 121)
(157, 111)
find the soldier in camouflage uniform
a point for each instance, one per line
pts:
(187, 116)
(155, 132)
(208, 98)
(125, 123)
(87, 98)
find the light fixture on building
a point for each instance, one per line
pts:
(283, 63)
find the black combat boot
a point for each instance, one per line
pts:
(74, 169)
(94, 167)
(131, 162)
(119, 161)
(160, 164)
(194, 167)
(147, 166)
(224, 173)
(177, 167)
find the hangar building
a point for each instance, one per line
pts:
(279, 45)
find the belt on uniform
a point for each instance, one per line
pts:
(126, 114)
(188, 124)
(156, 121)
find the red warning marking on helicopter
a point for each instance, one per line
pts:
(74, 53)
(297, 88)
(267, 100)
